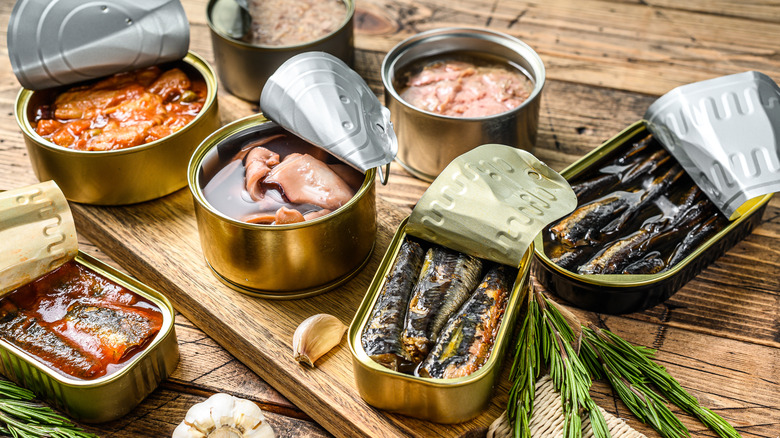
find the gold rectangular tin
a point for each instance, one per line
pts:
(438, 400)
(112, 396)
(622, 293)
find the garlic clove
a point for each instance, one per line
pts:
(184, 430)
(315, 336)
(222, 409)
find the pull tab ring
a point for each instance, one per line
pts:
(384, 175)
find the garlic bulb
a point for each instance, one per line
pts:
(316, 336)
(224, 416)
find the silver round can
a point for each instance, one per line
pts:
(427, 141)
(244, 68)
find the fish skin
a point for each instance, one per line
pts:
(467, 339)
(650, 264)
(381, 339)
(615, 256)
(653, 235)
(581, 227)
(446, 281)
(699, 234)
(657, 187)
(25, 332)
(633, 165)
(117, 330)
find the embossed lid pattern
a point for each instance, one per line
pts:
(490, 203)
(58, 42)
(724, 133)
(37, 233)
(319, 98)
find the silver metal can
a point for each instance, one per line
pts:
(244, 68)
(429, 141)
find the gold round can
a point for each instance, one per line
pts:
(279, 261)
(123, 176)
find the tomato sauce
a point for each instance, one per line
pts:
(122, 111)
(78, 322)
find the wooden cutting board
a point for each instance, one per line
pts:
(158, 242)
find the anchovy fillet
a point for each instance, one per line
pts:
(467, 339)
(381, 338)
(446, 281)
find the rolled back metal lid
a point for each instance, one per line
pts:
(490, 203)
(58, 42)
(319, 98)
(724, 132)
(37, 234)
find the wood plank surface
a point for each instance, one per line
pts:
(606, 62)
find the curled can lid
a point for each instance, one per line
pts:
(319, 98)
(58, 42)
(490, 203)
(723, 131)
(37, 234)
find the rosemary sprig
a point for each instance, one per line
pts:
(631, 386)
(640, 359)
(569, 374)
(525, 372)
(20, 417)
(546, 340)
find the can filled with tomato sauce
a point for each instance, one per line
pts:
(82, 336)
(118, 128)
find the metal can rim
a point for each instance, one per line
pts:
(347, 19)
(223, 133)
(523, 49)
(193, 59)
(160, 300)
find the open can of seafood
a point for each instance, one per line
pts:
(110, 140)
(285, 205)
(642, 229)
(89, 340)
(252, 38)
(430, 81)
(429, 337)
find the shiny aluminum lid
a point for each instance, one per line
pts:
(58, 42)
(319, 98)
(490, 203)
(37, 234)
(724, 132)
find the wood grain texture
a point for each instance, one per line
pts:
(606, 62)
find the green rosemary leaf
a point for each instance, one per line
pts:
(640, 359)
(524, 373)
(22, 418)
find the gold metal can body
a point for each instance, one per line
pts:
(124, 176)
(244, 68)
(282, 261)
(437, 400)
(427, 142)
(114, 395)
(623, 293)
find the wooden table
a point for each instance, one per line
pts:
(606, 61)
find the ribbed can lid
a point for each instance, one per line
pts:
(490, 203)
(723, 131)
(37, 234)
(319, 98)
(59, 42)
